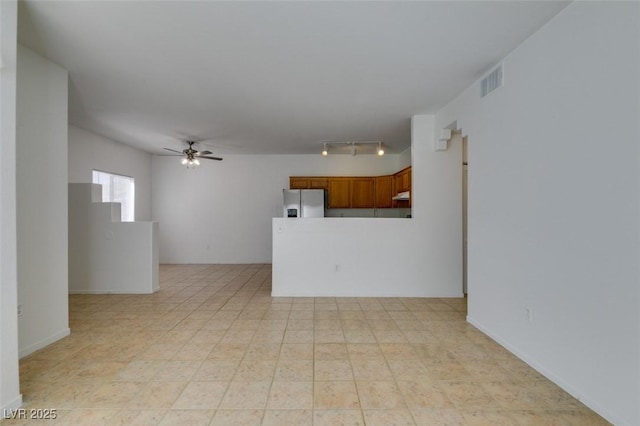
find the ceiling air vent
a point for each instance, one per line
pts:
(492, 81)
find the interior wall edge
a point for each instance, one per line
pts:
(44, 342)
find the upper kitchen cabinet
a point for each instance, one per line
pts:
(308, 182)
(402, 184)
(402, 180)
(362, 192)
(359, 192)
(384, 192)
(318, 183)
(298, 183)
(339, 194)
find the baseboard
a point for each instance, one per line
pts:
(111, 291)
(313, 292)
(44, 342)
(14, 404)
(364, 295)
(567, 387)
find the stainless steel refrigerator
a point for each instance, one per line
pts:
(303, 202)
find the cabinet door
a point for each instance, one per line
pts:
(339, 193)
(384, 192)
(318, 183)
(362, 193)
(298, 183)
(409, 181)
(402, 180)
(397, 183)
(406, 179)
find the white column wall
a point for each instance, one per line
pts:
(42, 221)
(10, 397)
(88, 151)
(554, 204)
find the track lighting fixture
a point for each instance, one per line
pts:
(352, 147)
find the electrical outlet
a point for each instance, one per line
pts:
(529, 314)
(20, 310)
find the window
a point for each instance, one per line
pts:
(118, 189)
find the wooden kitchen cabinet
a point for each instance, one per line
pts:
(318, 183)
(297, 182)
(384, 192)
(402, 180)
(402, 183)
(339, 193)
(362, 192)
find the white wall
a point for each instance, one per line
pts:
(221, 211)
(405, 158)
(10, 397)
(554, 204)
(88, 151)
(105, 254)
(347, 257)
(41, 155)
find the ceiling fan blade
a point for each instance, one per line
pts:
(211, 158)
(170, 155)
(203, 153)
(173, 150)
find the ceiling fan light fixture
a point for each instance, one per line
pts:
(191, 156)
(380, 150)
(190, 161)
(324, 150)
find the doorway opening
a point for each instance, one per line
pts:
(465, 165)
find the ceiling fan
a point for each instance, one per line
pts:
(192, 155)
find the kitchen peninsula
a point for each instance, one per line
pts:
(381, 257)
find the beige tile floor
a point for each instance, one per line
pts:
(212, 347)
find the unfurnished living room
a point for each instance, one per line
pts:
(320, 213)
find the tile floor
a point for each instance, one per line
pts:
(212, 347)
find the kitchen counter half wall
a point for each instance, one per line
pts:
(362, 257)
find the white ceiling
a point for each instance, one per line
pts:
(269, 77)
